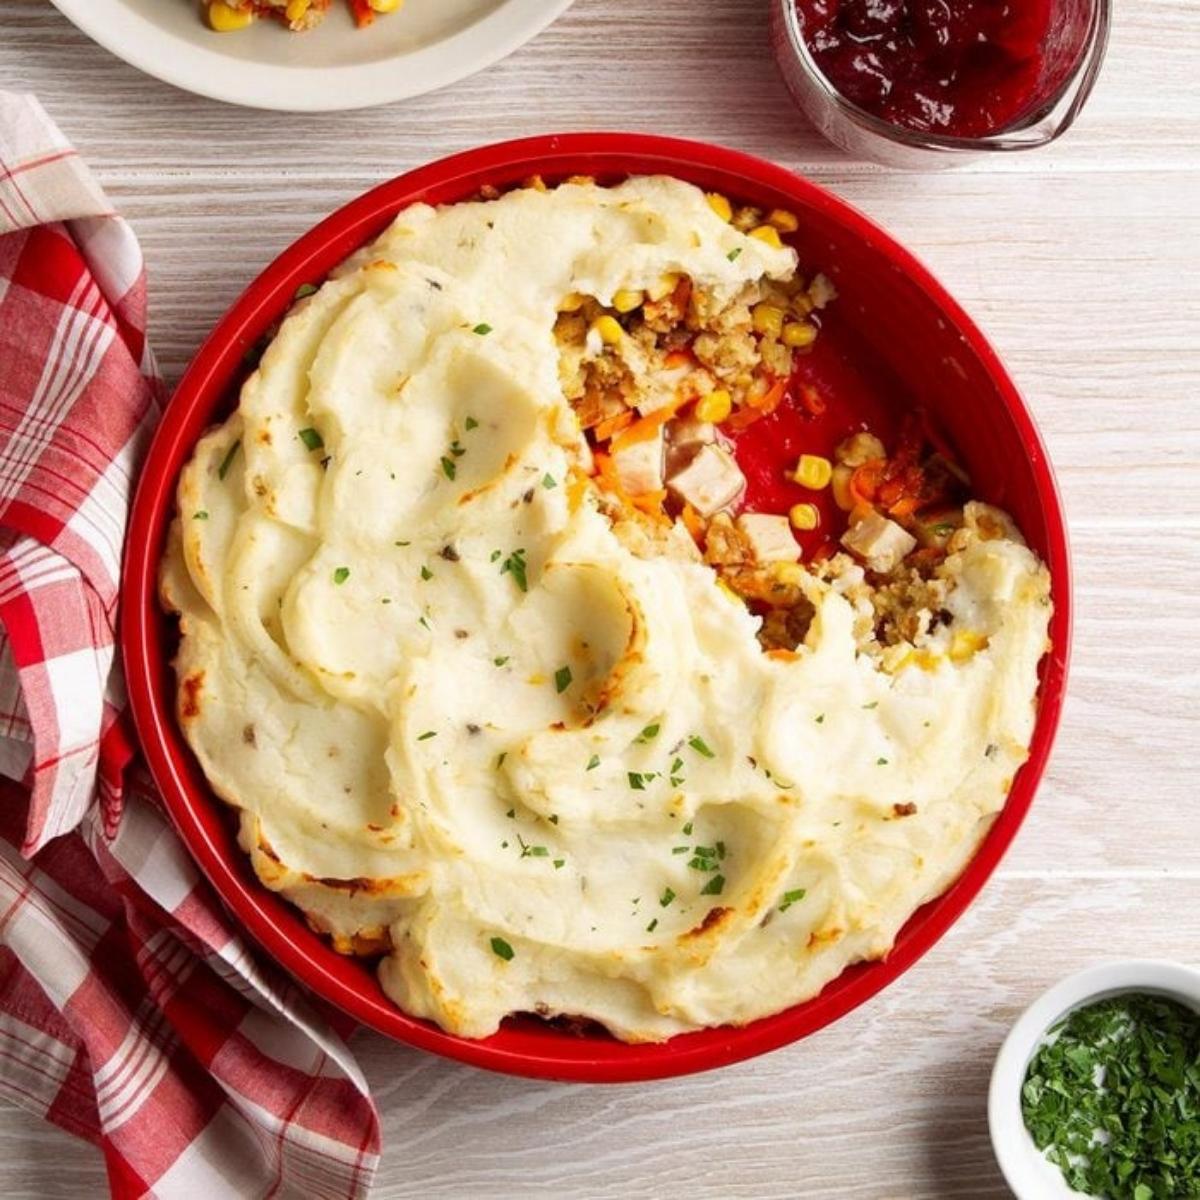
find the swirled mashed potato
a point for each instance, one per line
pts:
(467, 726)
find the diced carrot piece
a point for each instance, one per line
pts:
(643, 429)
(811, 401)
(864, 483)
(363, 13)
(678, 358)
(693, 523)
(611, 425)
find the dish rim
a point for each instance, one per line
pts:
(202, 389)
(277, 87)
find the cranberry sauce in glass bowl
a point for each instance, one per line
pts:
(899, 81)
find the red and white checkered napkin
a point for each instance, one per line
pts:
(131, 1011)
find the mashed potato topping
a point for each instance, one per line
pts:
(538, 765)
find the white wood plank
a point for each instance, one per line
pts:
(695, 68)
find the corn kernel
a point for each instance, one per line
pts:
(296, 9)
(663, 288)
(728, 591)
(783, 220)
(799, 334)
(626, 300)
(965, 644)
(768, 234)
(715, 407)
(813, 472)
(225, 19)
(609, 331)
(571, 302)
(896, 657)
(385, 6)
(791, 573)
(719, 205)
(842, 496)
(804, 516)
(767, 319)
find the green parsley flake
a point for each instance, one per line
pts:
(515, 566)
(680, 849)
(548, 481)
(500, 661)
(311, 438)
(501, 949)
(200, 515)
(562, 679)
(483, 328)
(698, 744)
(429, 733)
(426, 573)
(652, 926)
(470, 423)
(790, 898)
(449, 469)
(881, 762)
(305, 289)
(688, 829)
(873, 704)
(734, 254)
(820, 718)
(637, 781)
(647, 735)
(500, 759)
(593, 762)
(227, 461)
(714, 887)
(341, 575)
(1128, 1068)
(559, 863)
(666, 897)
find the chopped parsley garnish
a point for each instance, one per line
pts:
(311, 438)
(559, 863)
(422, 620)
(500, 758)
(647, 735)
(341, 575)
(942, 529)
(426, 573)
(562, 679)
(512, 812)
(700, 746)
(637, 781)
(553, 818)
(688, 829)
(680, 849)
(200, 515)
(402, 543)
(714, 887)
(593, 762)
(873, 704)
(666, 898)
(1126, 1068)
(703, 862)
(528, 851)
(429, 733)
(500, 661)
(652, 926)
(790, 898)
(501, 949)
(470, 423)
(548, 481)
(227, 461)
(449, 469)
(820, 718)
(305, 289)
(881, 762)
(734, 253)
(457, 448)
(515, 566)
(482, 328)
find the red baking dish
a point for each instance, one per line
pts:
(894, 335)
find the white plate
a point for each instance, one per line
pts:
(425, 45)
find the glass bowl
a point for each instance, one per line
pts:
(1073, 54)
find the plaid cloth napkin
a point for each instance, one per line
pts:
(131, 1011)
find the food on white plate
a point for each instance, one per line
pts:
(508, 689)
(228, 16)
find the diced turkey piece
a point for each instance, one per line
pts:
(880, 543)
(770, 537)
(639, 465)
(709, 482)
(688, 431)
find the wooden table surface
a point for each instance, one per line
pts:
(1082, 262)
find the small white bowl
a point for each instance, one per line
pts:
(1027, 1171)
